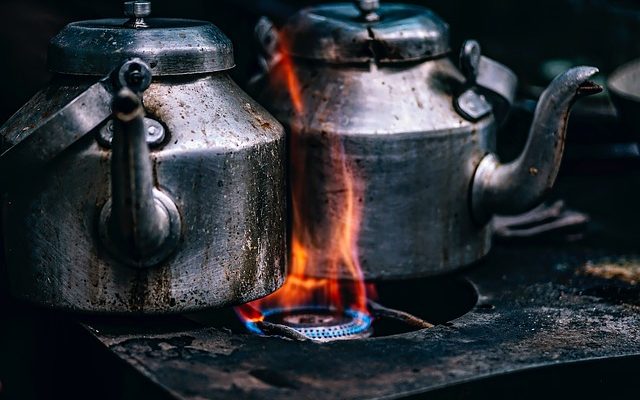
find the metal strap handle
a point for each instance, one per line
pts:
(498, 84)
(57, 133)
(490, 87)
(68, 125)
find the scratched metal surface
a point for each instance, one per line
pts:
(534, 310)
(224, 167)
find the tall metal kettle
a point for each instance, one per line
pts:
(143, 179)
(418, 131)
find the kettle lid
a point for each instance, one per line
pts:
(366, 31)
(168, 46)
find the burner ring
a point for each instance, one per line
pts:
(322, 324)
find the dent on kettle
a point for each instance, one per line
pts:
(519, 185)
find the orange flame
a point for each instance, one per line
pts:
(324, 265)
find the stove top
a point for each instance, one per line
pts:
(543, 318)
(526, 309)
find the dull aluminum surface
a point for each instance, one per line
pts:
(498, 84)
(534, 310)
(25, 148)
(168, 46)
(414, 153)
(415, 133)
(517, 186)
(490, 87)
(222, 163)
(338, 33)
(403, 142)
(140, 225)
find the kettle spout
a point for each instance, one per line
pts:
(140, 224)
(520, 185)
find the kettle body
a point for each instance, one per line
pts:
(414, 154)
(213, 159)
(416, 131)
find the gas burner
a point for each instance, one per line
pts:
(394, 313)
(319, 324)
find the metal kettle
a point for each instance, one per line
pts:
(419, 131)
(143, 179)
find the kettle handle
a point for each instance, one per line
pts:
(43, 143)
(498, 84)
(489, 87)
(140, 225)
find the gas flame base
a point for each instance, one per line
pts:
(320, 324)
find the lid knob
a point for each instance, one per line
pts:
(137, 11)
(368, 9)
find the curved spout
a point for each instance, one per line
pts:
(520, 185)
(140, 224)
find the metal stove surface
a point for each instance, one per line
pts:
(535, 312)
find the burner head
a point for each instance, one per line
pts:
(322, 324)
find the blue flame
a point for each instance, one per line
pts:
(360, 322)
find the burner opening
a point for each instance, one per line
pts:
(435, 300)
(438, 300)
